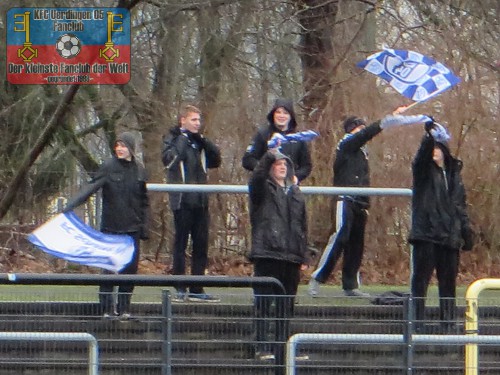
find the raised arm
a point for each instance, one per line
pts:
(254, 152)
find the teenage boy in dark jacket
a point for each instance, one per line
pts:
(440, 223)
(281, 120)
(187, 155)
(125, 205)
(279, 239)
(351, 169)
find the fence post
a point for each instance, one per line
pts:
(408, 317)
(166, 329)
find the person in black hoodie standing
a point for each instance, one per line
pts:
(125, 210)
(187, 155)
(279, 240)
(281, 120)
(440, 223)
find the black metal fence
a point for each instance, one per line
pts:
(166, 337)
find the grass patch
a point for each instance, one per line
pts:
(329, 294)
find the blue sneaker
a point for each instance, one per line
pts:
(202, 297)
(179, 297)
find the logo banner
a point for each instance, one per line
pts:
(66, 236)
(412, 74)
(68, 46)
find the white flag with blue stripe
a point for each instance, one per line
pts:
(412, 74)
(306, 136)
(66, 236)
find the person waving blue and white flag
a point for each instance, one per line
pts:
(66, 236)
(412, 74)
(278, 138)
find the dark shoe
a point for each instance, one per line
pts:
(202, 297)
(419, 328)
(355, 293)
(449, 328)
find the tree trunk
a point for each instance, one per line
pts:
(45, 137)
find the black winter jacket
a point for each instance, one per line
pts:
(278, 216)
(125, 204)
(439, 212)
(297, 151)
(186, 157)
(351, 168)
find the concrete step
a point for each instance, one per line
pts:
(218, 339)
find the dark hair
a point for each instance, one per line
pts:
(287, 104)
(352, 123)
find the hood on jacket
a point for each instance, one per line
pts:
(290, 171)
(288, 105)
(128, 140)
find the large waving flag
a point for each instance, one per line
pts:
(66, 236)
(412, 74)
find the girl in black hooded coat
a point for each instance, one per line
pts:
(297, 151)
(440, 224)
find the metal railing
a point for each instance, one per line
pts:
(60, 336)
(298, 338)
(309, 190)
(156, 280)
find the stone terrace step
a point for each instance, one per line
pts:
(217, 339)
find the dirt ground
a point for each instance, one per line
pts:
(18, 255)
(30, 260)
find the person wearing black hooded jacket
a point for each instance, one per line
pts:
(125, 210)
(279, 240)
(281, 120)
(440, 223)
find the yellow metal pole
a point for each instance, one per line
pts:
(471, 320)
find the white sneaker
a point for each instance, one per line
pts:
(313, 289)
(265, 356)
(302, 357)
(125, 316)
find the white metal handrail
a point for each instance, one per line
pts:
(243, 189)
(293, 341)
(60, 336)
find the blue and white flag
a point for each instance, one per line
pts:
(412, 74)
(391, 121)
(306, 136)
(66, 236)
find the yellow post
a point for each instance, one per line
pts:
(471, 320)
